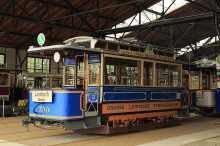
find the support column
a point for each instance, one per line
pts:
(3, 109)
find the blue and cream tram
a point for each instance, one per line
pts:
(112, 86)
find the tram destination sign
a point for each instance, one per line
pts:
(145, 54)
(42, 96)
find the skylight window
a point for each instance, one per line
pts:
(147, 16)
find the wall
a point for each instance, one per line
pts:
(10, 56)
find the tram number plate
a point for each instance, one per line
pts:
(42, 96)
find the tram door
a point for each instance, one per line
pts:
(87, 79)
(93, 85)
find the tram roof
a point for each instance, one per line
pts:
(86, 43)
(70, 46)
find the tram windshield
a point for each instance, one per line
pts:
(69, 77)
(38, 81)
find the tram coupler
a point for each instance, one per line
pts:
(27, 121)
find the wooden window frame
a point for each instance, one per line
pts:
(42, 69)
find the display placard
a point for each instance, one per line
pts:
(42, 96)
(6, 97)
(198, 94)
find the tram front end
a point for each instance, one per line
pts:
(56, 107)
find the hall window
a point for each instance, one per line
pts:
(2, 59)
(35, 64)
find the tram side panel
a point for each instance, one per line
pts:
(125, 102)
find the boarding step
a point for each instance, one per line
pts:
(91, 122)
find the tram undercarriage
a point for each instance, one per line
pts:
(133, 122)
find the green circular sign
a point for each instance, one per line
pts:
(41, 39)
(218, 59)
(149, 48)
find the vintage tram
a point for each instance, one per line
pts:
(205, 81)
(6, 91)
(4, 83)
(199, 81)
(109, 87)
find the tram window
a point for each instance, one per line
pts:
(194, 82)
(4, 79)
(56, 83)
(148, 74)
(205, 79)
(213, 82)
(185, 81)
(94, 74)
(162, 75)
(80, 70)
(110, 71)
(69, 75)
(129, 72)
(122, 72)
(168, 75)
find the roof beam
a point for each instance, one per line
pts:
(209, 40)
(159, 23)
(30, 35)
(137, 7)
(68, 8)
(48, 24)
(80, 16)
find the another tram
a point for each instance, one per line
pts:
(199, 81)
(109, 87)
(204, 80)
(5, 89)
(4, 84)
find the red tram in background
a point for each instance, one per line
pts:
(4, 84)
